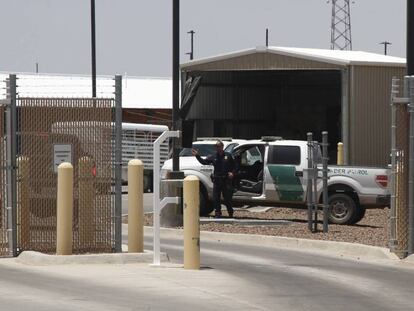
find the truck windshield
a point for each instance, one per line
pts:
(203, 149)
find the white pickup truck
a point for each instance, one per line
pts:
(271, 173)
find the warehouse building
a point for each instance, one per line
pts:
(291, 91)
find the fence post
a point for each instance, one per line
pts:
(23, 198)
(325, 160)
(64, 209)
(135, 206)
(118, 164)
(86, 185)
(11, 140)
(191, 223)
(309, 196)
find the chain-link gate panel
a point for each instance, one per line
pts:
(4, 242)
(401, 178)
(54, 130)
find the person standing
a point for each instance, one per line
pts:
(223, 175)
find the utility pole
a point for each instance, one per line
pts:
(93, 48)
(386, 44)
(267, 37)
(37, 67)
(191, 53)
(341, 38)
(410, 37)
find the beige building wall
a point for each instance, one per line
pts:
(370, 114)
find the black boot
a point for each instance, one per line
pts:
(217, 214)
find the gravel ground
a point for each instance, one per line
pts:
(372, 230)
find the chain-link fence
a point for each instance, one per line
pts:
(77, 130)
(400, 171)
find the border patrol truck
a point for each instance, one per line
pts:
(271, 173)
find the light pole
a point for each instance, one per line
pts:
(410, 37)
(267, 37)
(175, 174)
(93, 48)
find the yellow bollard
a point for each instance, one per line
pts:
(340, 156)
(135, 206)
(64, 209)
(191, 198)
(86, 185)
(23, 213)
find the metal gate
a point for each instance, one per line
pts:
(4, 241)
(36, 135)
(50, 131)
(399, 214)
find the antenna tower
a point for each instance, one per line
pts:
(341, 38)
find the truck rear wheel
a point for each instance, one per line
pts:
(342, 209)
(359, 215)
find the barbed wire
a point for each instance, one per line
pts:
(54, 77)
(65, 86)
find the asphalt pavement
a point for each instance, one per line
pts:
(281, 279)
(233, 277)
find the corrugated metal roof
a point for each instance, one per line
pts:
(336, 57)
(137, 92)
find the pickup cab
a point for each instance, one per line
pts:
(271, 173)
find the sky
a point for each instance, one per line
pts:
(134, 36)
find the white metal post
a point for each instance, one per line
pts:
(156, 200)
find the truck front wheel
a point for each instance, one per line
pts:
(342, 209)
(206, 207)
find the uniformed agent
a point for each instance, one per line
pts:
(224, 171)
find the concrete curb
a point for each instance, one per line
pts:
(409, 259)
(39, 259)
(342, 249)
(245, 222)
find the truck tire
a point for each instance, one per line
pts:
(206, 207)
(342, 209)
(359, 215)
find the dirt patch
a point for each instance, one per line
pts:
(371, 230)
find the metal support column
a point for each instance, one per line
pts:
(118, 164)
(345, 114)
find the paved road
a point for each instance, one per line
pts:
(234, 277)
(280, 279)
